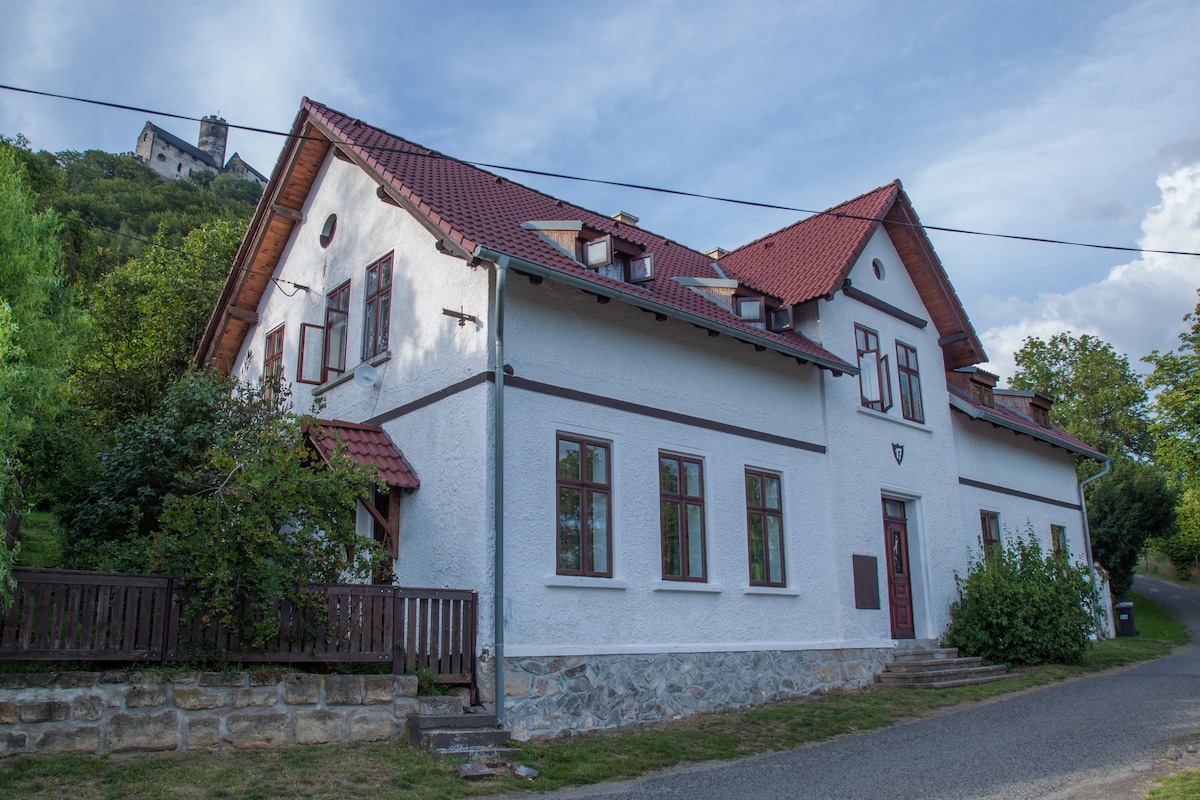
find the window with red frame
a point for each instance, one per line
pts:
(273, 360)
(910, 382)
(584, 503)
(989, 524)
(337, 312)
(874, 374)
(378, 311)
(681, 517)
(764, 528)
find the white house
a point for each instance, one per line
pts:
(685, 483)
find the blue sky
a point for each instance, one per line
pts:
(1073, 120)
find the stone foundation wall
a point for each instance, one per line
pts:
(117, 711)
(547, 696)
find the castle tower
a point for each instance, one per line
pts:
(213, 134)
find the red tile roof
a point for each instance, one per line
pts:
(473, 207)
(812, 257)
(366, 444)
(1005, 417)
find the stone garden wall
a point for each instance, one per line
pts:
(118, 711)
(547, 696)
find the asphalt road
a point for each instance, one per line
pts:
(1097, 737)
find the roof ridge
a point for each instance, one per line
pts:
(613, 224)
(815, 215)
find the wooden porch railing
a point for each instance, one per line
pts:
(100, 616)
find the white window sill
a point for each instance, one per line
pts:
(583, 582)
(688, 586)
(349, 374)
(780, 591)
(886, 417)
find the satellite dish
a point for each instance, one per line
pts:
(366, 376)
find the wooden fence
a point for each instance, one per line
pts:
(104, 616)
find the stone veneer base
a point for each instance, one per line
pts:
(118, 711)
(548, 696)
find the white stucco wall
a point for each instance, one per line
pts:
(863, 464)
(563, 337)
(1002, 458)
(445, 525)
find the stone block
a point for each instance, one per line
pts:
(143, 732)
(147, 696)
(8, 712)
(194, 699)
(825, 673)
(318, 727)
(377, 689)
(223, 679)
(299, 688)
(406, 685)
(256, 730)
(145, 678)
(43, 710)
(77, 680)
(257, 696)
(72, 740)
(12, 743)
(343, 690)
(518, 689)
(854, 670)
(405, 707)
(201, 732)
(264, 677)
(88, 707)
(114, 676)
(371, 726)
(26, 680)
(185, 678)
(440, 704)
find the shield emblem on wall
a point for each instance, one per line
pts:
(898, 452)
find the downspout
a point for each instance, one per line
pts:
(498, 483)
(1087, 531)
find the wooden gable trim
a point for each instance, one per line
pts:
(876, 303)
(258, 255)
(962, 346)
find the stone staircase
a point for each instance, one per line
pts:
(446, 730)
(923, 665)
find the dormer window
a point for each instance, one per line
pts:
(641, 269)
(598, 252)
(1041, 417)
(781, 319)
(752, 309)
(983, 394)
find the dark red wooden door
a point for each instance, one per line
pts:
(895, 531)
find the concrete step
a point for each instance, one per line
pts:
(472, 720)
(943, 678)
(925, 653)
(464, 740)
(934, 664)
(492, 755)
(441, 704)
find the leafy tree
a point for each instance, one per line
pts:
(1182, 545)
(1018, 606)
(1125, 510)
(1097, 397)
(35, 332)
(1176, 424)
(147, 319)
(219, 488)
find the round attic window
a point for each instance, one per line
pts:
(877, 265)
(328, 229)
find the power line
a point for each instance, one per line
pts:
(623, 184)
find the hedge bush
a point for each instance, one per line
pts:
(1018, 606)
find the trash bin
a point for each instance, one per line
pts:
(1125, 622)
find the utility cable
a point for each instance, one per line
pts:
(621, 184)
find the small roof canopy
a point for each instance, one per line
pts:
(366, 444)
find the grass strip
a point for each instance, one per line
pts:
(396, 772)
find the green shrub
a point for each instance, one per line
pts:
(1018, 606)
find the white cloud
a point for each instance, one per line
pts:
(1137, 307)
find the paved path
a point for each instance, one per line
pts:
(1099, 737)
